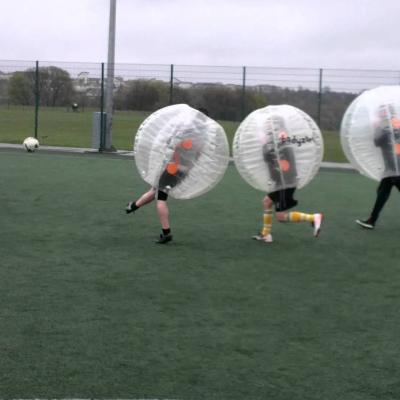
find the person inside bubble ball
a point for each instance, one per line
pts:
(185, 152)
(281, 163)
(387, 138)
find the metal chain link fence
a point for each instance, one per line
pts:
(56, 101)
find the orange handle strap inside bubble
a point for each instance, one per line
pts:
(172, 167)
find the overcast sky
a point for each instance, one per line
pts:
(359, 34)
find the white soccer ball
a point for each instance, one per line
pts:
(31, 144)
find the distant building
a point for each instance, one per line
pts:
(92, 86)
(4, 76)
(268, 88)
(182, 84)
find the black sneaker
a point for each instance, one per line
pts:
(164, 238)
(128, 208)
(365, 224)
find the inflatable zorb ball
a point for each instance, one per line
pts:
(278, 147)
(181, 151)
(370, 132)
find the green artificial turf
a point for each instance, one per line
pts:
(91, 307)
(60, 127)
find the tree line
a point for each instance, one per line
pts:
(224, 102)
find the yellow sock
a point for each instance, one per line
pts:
(296, 216)
(267, 219)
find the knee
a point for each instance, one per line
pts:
(281, 216)
(267, 203)
(162, 207)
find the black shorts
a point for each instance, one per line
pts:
(391, 180)
(163, 196)
(166, 182)
(283, 199)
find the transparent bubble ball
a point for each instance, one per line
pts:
(181, 151)
(370, 132)
(278, 147)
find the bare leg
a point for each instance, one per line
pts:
(163, 213)
(282, 216)
(265, 234)
(146, 198)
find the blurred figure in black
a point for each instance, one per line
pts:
(387, 138)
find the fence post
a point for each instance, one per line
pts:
(243, 113)
(171, 85)
(37, 98)
(102, 125)
(319, 98)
